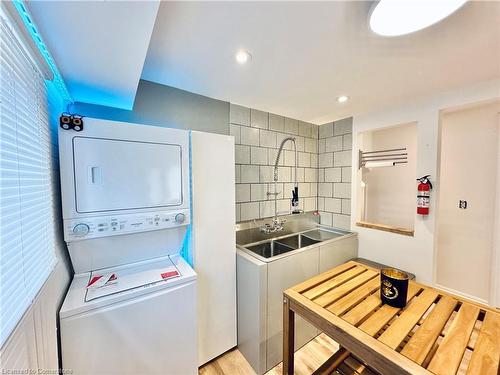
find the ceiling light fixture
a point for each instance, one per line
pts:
(342, 98)
(242, 56)
(400, 17)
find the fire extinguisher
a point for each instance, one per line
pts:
(423, 195)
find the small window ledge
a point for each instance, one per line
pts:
(386, 228)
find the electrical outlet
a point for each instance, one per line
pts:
(462, 204)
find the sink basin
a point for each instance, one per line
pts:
(291, 241)
(319, 235)
(273, 247)
(270, 249)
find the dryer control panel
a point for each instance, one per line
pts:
(104, 226)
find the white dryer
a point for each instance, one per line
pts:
(131, 307)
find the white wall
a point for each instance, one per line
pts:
(415, 254)
(389, 191)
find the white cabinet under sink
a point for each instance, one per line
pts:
(260, 287)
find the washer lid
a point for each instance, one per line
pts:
(129, 281)
(109, 281)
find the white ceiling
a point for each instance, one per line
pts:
(305, 54)
(99, 46)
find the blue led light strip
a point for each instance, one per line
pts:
(30, 26)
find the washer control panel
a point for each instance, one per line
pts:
(104, 226)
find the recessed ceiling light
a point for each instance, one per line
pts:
(342, 98)
(242, 56)
(400, 17)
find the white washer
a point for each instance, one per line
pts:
(135, 324)
(126, 210)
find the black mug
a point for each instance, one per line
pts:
(393, 287)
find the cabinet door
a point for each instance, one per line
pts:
(337, 252)
(283, 274)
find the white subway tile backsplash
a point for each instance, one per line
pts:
(249, 211)
(341, 221)
(347, 142)
(242, 154)
(250, 136)
(333, 175)
(237, 173)
(280, 137)
(276, 122)
(309, 204)
(346, 174)
(259, 119)
(311, 145)
(333, 144)
(343, 126)
(267, 138)
(299, 141)
(249, 173)
(266, 208)
(304, 129)
(284, 174)
(258, 192)
(304, 159)
(239, 115)
(266, 174)
(333, 205)
(326, 160)
(321, 204)
(314, 160)
(304, 190)
(321, 175)
(242, 193)
(288, 157)
(346, 206)
(326, 130)
(323, 169)
(326, 218)
(238, 212)
(343, 159)
(300, 174)
(258, 155)
(322, 145)
(325, 189)
(235, 131)
(314, 131)
(342, 190)
(291, 126)
(310, 175)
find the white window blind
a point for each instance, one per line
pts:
(26, 218)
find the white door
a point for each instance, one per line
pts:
(119, 175)
(467, 196)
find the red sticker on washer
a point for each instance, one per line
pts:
(168, 275)
(94, 279)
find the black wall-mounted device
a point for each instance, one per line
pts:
(69, 121)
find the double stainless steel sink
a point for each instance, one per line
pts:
(277, 246)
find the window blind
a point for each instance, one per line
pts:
(27, 254)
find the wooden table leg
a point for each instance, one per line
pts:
(288, 337)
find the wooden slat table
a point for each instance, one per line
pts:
(436, 333)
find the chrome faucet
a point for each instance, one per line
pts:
(277, 224)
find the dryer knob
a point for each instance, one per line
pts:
(180, 218)
(81, 230)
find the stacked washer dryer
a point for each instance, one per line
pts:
(131, 307)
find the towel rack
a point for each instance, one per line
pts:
(382, 158)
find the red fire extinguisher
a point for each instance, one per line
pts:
(423, 195)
